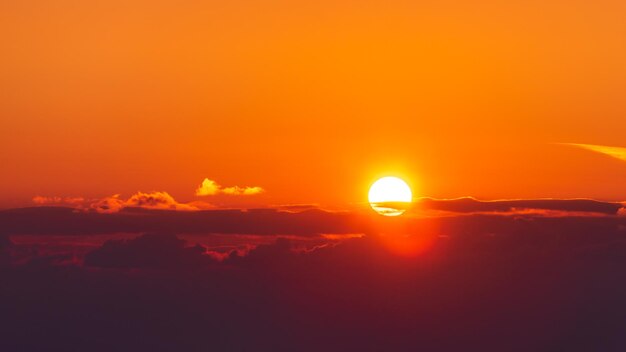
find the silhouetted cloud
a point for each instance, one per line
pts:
(68, 221)
(159, 212)
(276, 253)
(483, 282)
(552, 207)
(296, 207)
(209, 187)
(615, 152)
(148, 251)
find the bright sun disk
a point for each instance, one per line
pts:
(390, 196)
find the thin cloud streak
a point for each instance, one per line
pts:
(615, 152)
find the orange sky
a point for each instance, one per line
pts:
(311, 100)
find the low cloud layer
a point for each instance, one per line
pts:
(158, 211)
(538, 207)
(491, 284)
(483, 276)
(210, 188)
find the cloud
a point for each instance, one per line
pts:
(148, 251)
(159, 212)
(615, 152)
(157, 200)
(524, 277)
(149, 200)
(201, 205)
(110, 204)
(115, 203)
(43, 200)
(524, 287)
(117, 217)
(548, 207)
(152, 200)
(276, 253)
(210, 188)
(246, 191)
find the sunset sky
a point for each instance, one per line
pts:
(311, 101)
(313, 175)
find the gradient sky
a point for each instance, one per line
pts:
(311, 101)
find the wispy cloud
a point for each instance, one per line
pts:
(44, 200)
(210, 187)
(615, 152)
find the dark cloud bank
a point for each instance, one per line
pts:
(512, 280)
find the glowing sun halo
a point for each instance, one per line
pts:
(390, 196)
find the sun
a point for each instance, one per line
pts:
(390, 196)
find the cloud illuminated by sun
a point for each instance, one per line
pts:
(210, 187)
